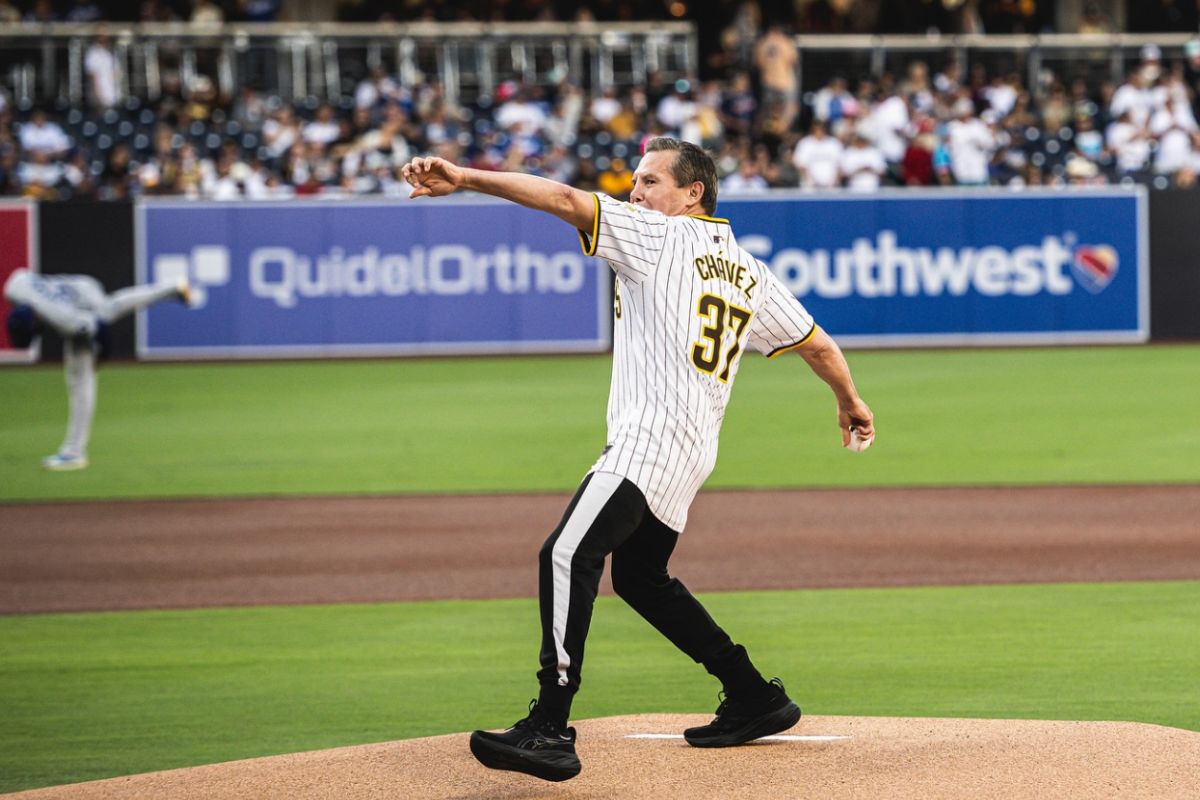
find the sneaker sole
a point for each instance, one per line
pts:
(548, 765)
(69, 467)
(765, 725)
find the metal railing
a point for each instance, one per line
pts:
(297, 61)
(1095, 58)
(42, 63)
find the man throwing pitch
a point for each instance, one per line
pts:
(689, 301)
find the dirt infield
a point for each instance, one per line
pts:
(870, 758)
(199, 553)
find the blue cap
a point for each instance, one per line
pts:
(22, 326)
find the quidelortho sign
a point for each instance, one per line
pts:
(349, 278)
(899, 268)
(909, 268)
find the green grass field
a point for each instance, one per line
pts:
(94, 695)
(1073, 415)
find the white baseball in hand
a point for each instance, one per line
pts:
(857, 442)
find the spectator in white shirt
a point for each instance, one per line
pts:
(103, 78)
(1174, 127)
(520, 115)
(862, 165)
(605, 106)
(886, 124)
(280, 132)
(40, 135)
(220, 179)
(40, 174)
(1002, 94)
(677, 107)
(324, 129)
(1136, 97)
(817, 157)
(1131, 143)
(970, 142)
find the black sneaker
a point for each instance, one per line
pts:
(737, 722)
(535, 745)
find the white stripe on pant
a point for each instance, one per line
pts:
(598, 492)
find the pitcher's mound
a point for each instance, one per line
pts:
(642, 756)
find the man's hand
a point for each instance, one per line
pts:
(856, 415)
(432, 177)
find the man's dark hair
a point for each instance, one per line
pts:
(691, 164)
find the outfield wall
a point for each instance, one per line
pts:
(1006, 295)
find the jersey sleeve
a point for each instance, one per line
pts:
(629, 238)
(782, 323)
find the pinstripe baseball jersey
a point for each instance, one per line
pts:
(688, 301)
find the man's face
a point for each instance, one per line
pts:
(654, 187)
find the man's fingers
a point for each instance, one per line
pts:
(418, 172)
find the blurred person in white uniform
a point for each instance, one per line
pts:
(78, 309)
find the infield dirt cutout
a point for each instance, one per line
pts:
(196, 553)
(880, 757)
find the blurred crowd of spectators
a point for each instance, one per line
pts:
(925, 127)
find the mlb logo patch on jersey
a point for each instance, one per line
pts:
(1095, 267)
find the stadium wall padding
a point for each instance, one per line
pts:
(1175, 264)
(90, 238)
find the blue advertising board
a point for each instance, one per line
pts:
(309, 278)
(910, 268)
(899, 268)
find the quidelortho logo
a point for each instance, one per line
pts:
(204, 267)
(285, 276)
(885, 268)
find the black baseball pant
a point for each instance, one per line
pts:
(609, 514)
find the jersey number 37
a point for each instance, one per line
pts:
(716, 314)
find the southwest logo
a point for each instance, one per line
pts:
(1095, 267)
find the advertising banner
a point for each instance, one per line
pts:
(910, 268)
(18, 248)
(310, 278)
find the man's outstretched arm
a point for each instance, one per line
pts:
(825, 358)
(435, 177)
